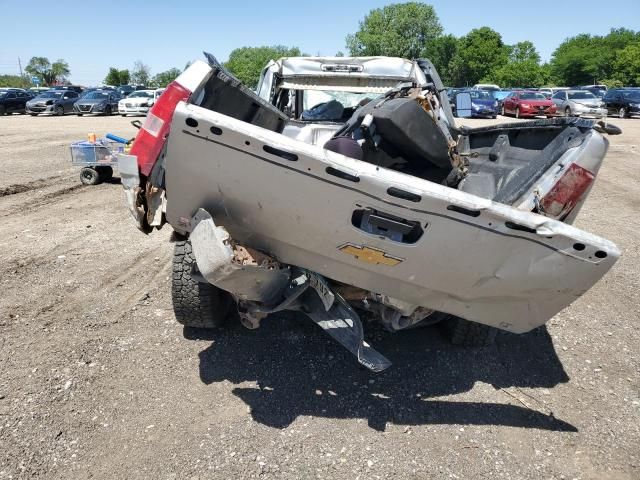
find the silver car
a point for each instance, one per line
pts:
(578, 103)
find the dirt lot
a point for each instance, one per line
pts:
(99, 381)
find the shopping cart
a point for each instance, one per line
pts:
(97, 159)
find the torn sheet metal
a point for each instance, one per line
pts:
(133, 192)
(233, 268)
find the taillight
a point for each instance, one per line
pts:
(567, 191)
(153, 133)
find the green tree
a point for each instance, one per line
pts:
(627, 65)
(441, 50)
(162, 79)
(48, 73)
(141, 73)
(247, 63)
(14, 81)
(522, 69)
(589, 59)
(479, 53)
(396, 30)
(117, 77)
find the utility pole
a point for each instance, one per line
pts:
(20, 65)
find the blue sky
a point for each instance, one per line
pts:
(94, 35)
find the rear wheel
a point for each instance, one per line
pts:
(3, 110)
(622, 112)
(469, 334)
(89, 176)
(567, 112)
(196, 304)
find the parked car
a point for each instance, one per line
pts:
(451, 93)
(598, 92)
(499, 96)
(550, 91)
(55, 102)
(528, 104)
(578, 103)
(102, 102)
(597, 87)
(126, 90)
(13, 100)
(483, 104)
(138, 102)
(75, 88)
(398, 218)
(622, 102)
(38, 90)
(486, 86)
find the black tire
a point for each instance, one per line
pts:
(107, 111)
(89, 176)
(469, 334)
(195, 304)
(123, 114)
(79, 114)
(59, 111)
(567, 112)
(622, 113)
(105, 173)
(33, 114)
(3, 110)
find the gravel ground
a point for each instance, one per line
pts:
(99, 381)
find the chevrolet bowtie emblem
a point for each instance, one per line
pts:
(370, 255)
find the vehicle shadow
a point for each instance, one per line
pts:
(298, 370)
(114, 181)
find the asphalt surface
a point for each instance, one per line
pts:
(97, 380)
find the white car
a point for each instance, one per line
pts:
(139, 102)
(486, 86)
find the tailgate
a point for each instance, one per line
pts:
(465, 255)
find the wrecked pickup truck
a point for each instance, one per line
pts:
(343, 188)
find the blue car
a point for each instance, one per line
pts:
(483, 104)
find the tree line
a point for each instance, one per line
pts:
(413, 30)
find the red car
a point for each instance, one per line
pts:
(528, 104)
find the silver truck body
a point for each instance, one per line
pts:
(413, 245)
